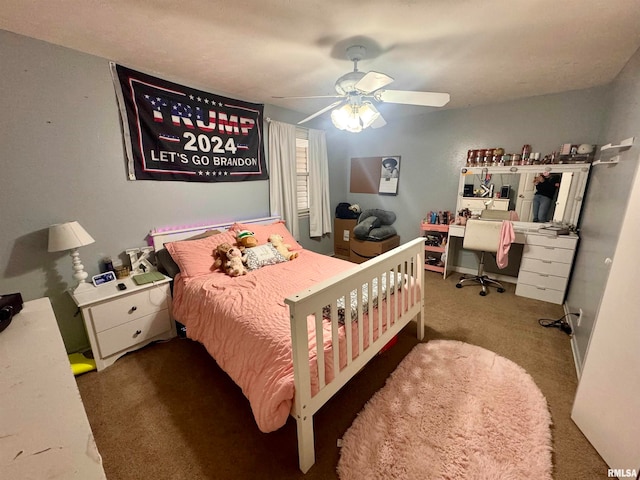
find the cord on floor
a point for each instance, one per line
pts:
(560, 323)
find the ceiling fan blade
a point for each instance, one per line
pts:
(373, 81)
(325, 109)
(425, 99)
(315, 96)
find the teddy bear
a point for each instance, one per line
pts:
(278, 242)
(235, 266)
(220, 256)
(246, 239)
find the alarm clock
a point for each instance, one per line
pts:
(103, 278)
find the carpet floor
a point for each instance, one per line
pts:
(168, 411)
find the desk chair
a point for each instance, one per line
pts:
(483, 236)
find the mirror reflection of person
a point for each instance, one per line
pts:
(546, 186)
(390, 168)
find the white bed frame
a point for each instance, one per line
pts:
(406, 260)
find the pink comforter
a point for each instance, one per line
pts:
(244, 324)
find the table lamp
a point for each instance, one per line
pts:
(71, 236)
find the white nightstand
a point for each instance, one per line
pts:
(121, 321)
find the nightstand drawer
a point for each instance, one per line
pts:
(134, 332)
(122, 310)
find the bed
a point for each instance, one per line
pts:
(263, 328)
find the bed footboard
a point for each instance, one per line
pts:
(365, 307)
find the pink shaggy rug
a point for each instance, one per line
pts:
(451, 411)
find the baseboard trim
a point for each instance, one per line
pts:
(574, 344)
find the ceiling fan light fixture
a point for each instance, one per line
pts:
(354, 118)
(346, 118)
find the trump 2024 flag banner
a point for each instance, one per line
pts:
(173, 132)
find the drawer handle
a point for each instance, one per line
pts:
(543, 275)
(133, 309)
(546, 261)
(138, 332)
(540, 288)
(550, 248)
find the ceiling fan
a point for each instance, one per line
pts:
(358, 92)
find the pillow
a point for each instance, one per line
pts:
(262, 255)
(362, 229)
(167, 265)
(262, 233)
(382, 233)
(195, 257)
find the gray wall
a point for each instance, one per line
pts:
(605, 204)
(434, 147)
(62, 159)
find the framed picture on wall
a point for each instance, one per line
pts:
(389, 175)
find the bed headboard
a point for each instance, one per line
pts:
(162, 235)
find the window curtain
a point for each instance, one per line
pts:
(282, 174)
(319, 203)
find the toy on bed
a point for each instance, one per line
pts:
(284, 248)
(220, 255)
(375, 224)
(235, 266)
(246, 239)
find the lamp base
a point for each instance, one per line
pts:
(82, 287)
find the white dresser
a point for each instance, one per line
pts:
(44, 430)
(121, 321)
(545, 267)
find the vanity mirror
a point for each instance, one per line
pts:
(513, 188)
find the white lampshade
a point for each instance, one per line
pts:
(67, 236)
(368, 114)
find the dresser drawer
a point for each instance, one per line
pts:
(552, 254)
(545, 266)
(134, 332)
(130, 307)
(562, 241)
(540, 293)
(542, 280)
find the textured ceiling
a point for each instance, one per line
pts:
(479, 51)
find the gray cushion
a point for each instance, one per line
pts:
(362, 229)
(382, 232)
(386, 217)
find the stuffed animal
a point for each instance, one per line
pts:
(246, 239)
(235, 266)
(278, 242)
(220, 256)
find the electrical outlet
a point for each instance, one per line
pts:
(579, 319)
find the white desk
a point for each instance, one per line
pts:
(545, 265)
(44, 430)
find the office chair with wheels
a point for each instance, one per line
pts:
(482, 236)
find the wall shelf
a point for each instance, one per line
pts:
(610, 154)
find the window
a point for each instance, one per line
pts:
(302, 171)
